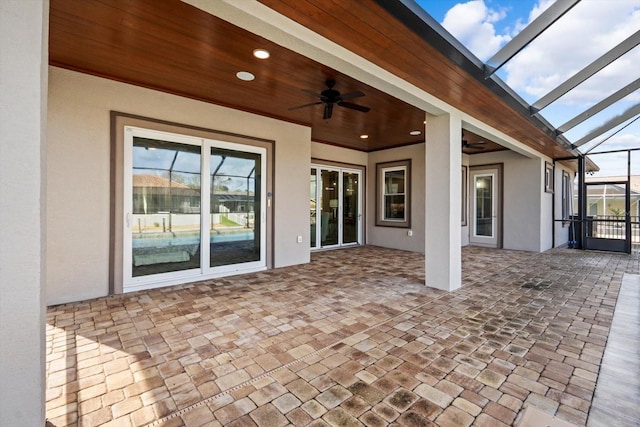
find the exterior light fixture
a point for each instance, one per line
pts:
(245, 76)
(261, 53)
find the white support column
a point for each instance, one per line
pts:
(23, 90)
(443, 263)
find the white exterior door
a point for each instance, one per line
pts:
(485, 203)
(336, 207)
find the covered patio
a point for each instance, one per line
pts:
(353, 338)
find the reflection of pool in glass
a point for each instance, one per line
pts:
(231, 237)
(155, 242)
(165, 252)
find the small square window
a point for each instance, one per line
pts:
(393, 194)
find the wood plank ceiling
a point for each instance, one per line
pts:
(173, 47)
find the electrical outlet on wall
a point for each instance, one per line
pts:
(299, 239)
(410, 233)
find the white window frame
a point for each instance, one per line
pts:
(381, 192)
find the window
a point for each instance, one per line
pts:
(463, 204)
(566, 196)
(393, 194)
(548, 177)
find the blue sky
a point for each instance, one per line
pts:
(581, 36)
(517, 10)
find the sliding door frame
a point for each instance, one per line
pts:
(319, 166)
(117, 218)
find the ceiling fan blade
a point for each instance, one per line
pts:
(328, 110)
(351, 95)
(305, 105)
(312, 93)
(354, 106)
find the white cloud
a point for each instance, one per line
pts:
(582, 35)
(539, 7)
(472, 23)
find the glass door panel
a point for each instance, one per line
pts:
(329, 207)
(165, 220)
(235, 217)
(335, 207)
(313, 199)
(350, 207)
(486, 227)
(484, 205)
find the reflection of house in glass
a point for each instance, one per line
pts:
(232, 201)
(153, 194)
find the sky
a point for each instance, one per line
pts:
(582, 35)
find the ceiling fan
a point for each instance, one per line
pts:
(472, 145)
(331, 97)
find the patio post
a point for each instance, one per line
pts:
(23, 85)
(443, 264)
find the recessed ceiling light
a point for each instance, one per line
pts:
(415, 132)
(261, 53)
(364, 136)
(245, 75)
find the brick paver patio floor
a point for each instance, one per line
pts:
(353, 338)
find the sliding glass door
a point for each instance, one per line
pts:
(181, 224)
(335, 208)
(235, 201)
(351, 215)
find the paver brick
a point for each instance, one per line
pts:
(385, 411)
(333, 397)
(268, 416)
(434, 395)
(286, 403)
(314, 408)
(270, 340)
(234, 410)
(454, 417)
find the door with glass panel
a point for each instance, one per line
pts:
(485, 203)
(335, 207)
(183, 224)
(235, 231)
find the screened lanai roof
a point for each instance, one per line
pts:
(574, 64)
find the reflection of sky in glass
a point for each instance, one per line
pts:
(154, 154)
(232, 166)
(187, 162)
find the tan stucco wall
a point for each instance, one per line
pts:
(338, 154)
(391, 237)
(78, 168)
(23, 95)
